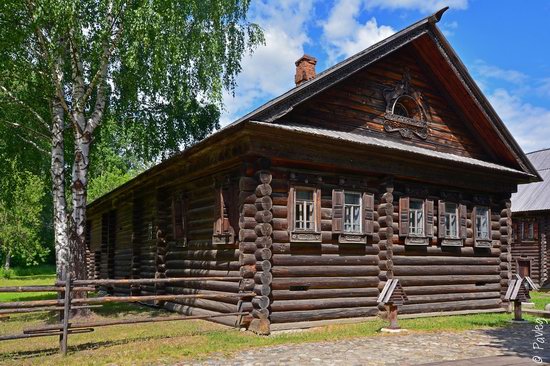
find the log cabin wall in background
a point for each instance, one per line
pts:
(528, 249)
(123, 245)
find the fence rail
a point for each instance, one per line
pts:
(66, 302)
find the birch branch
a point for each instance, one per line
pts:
(25, 105)
(17, 125)
(33, 144)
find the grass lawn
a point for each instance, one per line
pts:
(540, 299)
(169, 342)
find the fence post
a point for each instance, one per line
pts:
(66, 313)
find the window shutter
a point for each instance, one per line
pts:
(515, 231)
(218, 213)
(526, 230)
(368, 213)
(404, 216)
(429, 204)
(536, 230)
(317, 209)
(474, 220)
(337, 210)
(463, 214)
(441, 219)
(290, 209)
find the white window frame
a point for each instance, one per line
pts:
(353, 230)
(298, 221)
(488, 224)
(448, 217)
(415, 231)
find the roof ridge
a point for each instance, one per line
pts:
(536, 151)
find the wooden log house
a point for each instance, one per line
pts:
(531, 224)
(390, 164)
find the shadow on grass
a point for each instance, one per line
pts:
(118, 310)
(88, 346)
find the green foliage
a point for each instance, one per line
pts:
(20, 215)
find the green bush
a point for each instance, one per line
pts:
(6, 273)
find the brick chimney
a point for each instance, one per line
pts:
(305, 69)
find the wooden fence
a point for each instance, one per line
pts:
(66, 302)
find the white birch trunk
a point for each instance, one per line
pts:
(58, 188)
(79, 185)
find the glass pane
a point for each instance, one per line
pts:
(357, 217)
(450, 208)
(352, 198)
(304, 195)
(416, 205)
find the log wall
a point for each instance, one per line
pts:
(198, 256)
(535, 251)
(438, 278)
(123, 245)
(318, 281)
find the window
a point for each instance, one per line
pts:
(416, 217)
(482, 223)
(527, 230)
(352, 212)
(225, 215)
(304, 210)
(451, 220)
(400, 110)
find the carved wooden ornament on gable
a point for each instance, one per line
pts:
(405, 109)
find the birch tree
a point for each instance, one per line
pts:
(159, 65)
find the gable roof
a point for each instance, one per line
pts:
(280, 106)
(507, 145)
(535, 196)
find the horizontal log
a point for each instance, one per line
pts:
(311, 260)
(324, 293)
(167, 297)
(329, 270)
(324, 282)
(424, 299)
(204, 265)
(446, 289)
(440, 260)
(280, 212)
(264, 278)
(247, 247)
(318, 249)
(450, 306)
(402, 270)
(445, 251)
(212, 254)
(213, 305)
(264, 242)
(299, 316)
(315, 304)
(447, 280)
(200, 272)
(264, 189)
(222, 286)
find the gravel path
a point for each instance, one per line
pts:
(402, 349)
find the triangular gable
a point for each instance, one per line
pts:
(438, 55)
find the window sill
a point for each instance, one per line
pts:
(305, 237)
(452, 242)
(485, 243)
(223, 239)
(417, 240)
(352, 238)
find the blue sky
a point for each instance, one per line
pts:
(505, 45)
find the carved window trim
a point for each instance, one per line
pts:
(304, 235)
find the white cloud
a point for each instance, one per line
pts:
(543, 88)
(486, 71)
(345, 35)
(269, 71)
(529, 124)
(448, 28)
(426, 6)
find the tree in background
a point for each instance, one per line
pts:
(20, 216)
(158, 68)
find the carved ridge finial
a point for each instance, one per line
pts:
(436, 17)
